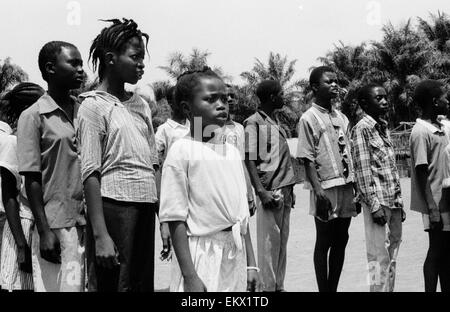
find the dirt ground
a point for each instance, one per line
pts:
(300, 275)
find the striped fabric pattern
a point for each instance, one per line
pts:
(117, 140)
(11, 277)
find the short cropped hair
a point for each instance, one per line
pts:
(364, 91)
(425, 91)
(49, 53)
(267, 88)
(317, 73)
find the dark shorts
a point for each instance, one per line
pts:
(132, 228)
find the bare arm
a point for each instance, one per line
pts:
(313, 178)
(265, 195)
(9, 196)
(323, 204)
(253, 280)
(192, 282)
(105, 250)
(49, 243)
(424, 188)
(33, 188)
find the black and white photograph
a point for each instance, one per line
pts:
(238, 147)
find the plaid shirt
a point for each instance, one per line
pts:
(377, 178)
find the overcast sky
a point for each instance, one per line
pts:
(234, 31)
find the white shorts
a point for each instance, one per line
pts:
(69, 276)
(218, 263)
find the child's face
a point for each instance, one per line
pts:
(129, 64)
(442, 102)
(231, 99)
(68, 68)
(278, 100)
(328, 87)
(210, 102)
(377, 102)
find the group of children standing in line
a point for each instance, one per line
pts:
(81, 183)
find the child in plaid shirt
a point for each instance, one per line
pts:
(378, 184)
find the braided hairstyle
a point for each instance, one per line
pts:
(188, 81)
(113, 39)
(17, 100)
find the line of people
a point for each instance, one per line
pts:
(83, 179)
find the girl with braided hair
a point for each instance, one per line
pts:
(203, 196)
(118, 164)
(16, 266)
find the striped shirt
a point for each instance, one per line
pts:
(323, 140)
(117, 140)
(377, 177)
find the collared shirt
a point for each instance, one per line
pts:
(46, 144)
(377, 177)
(323, 140)
(427, 144)
(266, 144)
(167, 134)
(117, 140)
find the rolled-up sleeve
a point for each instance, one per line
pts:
(174, 188)
(29, 142)
(91, 131)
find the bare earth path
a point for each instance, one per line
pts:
(300, 270)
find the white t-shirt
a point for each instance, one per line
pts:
(9, 161)
(234, 134)
(167, 134)
(203, 184)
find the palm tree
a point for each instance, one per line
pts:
(161, 88)
(402, 55)
(178, 63)
(10, 75)
(280, 69)
(277, 68)
(349, 62)
(437, 31)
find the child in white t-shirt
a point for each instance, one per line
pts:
(203, 196)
